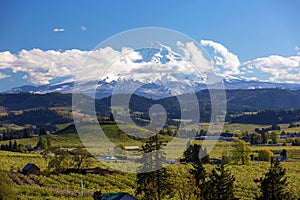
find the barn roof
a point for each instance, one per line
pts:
(29, 165)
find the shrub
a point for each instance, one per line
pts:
(265, 155)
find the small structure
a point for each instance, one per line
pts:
(31, 168)
(118, 196)
(132, 148)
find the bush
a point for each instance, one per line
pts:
(265, 155)
(274, 137)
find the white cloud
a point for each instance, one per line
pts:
(41, 67)
(195, 55)
(6, 59)
(224, 59)
(83, 28)
(58, 30)
(3, 76)
(280, 69)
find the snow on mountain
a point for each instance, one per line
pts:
(168, 75)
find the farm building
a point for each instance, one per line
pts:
(31, 168)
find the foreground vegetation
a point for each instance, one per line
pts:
(53, 183)
(67, 186)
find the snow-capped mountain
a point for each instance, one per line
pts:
(150, 90)
(168, 75)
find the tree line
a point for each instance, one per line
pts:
(36, 117)
(268, 117)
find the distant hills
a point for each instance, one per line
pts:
(237, 100)
(55, 108)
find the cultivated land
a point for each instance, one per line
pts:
(66, 186)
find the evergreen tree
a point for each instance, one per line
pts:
(283, 153)
(192, 153)
(42, 131)
(153, 184)
(220, 185)
(9, 146)
(264, 137)
(198, 172)
(42, 143)
(15, 146)
(273, 184)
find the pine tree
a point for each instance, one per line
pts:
(220, 184)
(198, 172)
(273, 184)
(192, 153)
(153, 184)
(265, 137)
(42, 132)
(15, 146)
(10, 146)
(42, 143)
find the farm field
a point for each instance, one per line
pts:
(66, 186)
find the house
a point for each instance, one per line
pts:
(31, 168)
(117, 196)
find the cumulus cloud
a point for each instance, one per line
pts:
(280, 69)
(58, 30)
(83, 28)
(274, 68)
(41, 67)
(223, 57)
(195, 55)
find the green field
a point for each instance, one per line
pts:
(67, 186)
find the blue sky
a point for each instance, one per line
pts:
(249, 29)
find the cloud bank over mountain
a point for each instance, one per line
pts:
(42, 67)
